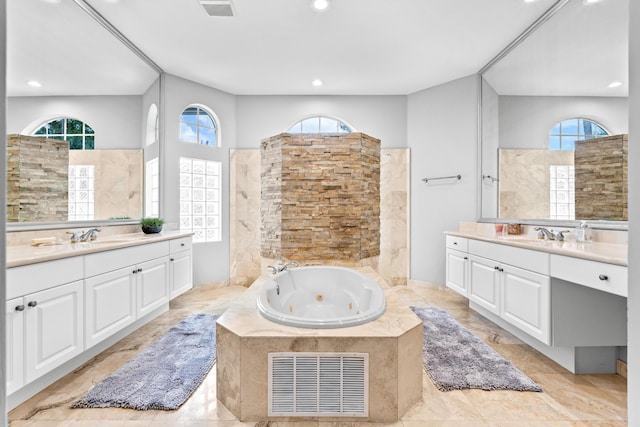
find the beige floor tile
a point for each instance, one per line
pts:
(568, 400)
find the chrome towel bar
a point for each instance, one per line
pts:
(458, 177)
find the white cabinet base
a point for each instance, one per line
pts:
(54, 375)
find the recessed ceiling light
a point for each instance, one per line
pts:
(615, 84)
(529, 1)
(317, 82)
(590, 1)
(320, 5)
(34, 83)
(53, 1)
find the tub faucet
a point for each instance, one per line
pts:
(280, 268)
(288, 264)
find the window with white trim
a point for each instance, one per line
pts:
(320, 124)
(198, 126)
(200, 198)
(152, 188)
(79, 134)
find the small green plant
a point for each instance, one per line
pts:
(151, 222)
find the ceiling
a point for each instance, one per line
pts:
(275, 47)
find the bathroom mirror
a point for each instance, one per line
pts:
(62, 62)
(565, 69)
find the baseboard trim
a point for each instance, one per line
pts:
(621, 368)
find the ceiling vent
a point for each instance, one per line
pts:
(218, 7)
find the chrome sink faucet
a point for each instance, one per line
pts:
(543, 233)
(88, 235)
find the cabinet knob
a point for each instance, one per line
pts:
(500, 270)
(32, 303)
(20, 307)
(466, 258)
(139, 270)
(134, 271)
(182, 244)
(496, 268)
(603, 277)
(171, 259)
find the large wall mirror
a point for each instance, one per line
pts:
(71, 79)
(555, 119)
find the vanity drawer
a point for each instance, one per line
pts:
(31, 278)
(527, 259)
(597, 275)
(179, 245)
(103, 262)
(459, 243)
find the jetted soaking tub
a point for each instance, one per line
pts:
(321, 297)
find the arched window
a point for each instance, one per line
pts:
(320, 124)
(197, 125)
(152, 125)
(563, 135)
(79, 134)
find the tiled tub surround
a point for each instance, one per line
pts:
(246, 262)
(320, 196)
(393, 342)
(67, 303)
(566, 299)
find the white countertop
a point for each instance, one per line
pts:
(27, 254)
(611, 253)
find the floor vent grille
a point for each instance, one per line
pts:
(319, 384)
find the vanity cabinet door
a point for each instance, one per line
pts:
(152, 279)
(15, 344)
(526, 301)
(181, 272)
(53, 328)
(110, 304)
(457, 271)
(484, 284)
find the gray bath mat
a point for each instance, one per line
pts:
(456, 359)
(164, 375)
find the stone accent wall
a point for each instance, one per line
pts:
(601, 169)
(37, 179)
(320, 196)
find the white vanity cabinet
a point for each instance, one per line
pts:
(457, 264)
(44, 319)
(15, 344)
(180, 266)
(116, 296)
(511, 283)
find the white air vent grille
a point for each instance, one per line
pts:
(218, 7)
(319, 384)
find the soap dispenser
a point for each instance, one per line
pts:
(583, 232)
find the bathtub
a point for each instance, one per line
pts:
(321, 297)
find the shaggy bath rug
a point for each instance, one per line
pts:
(456, 359)
(164, 375)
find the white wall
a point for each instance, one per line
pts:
(115, 119)
(442, 136)
(210, 260)
(490, 143)
(525, 121)
(633, 301)
(382, 117)
(3, 210)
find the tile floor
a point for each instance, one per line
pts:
(567, 400)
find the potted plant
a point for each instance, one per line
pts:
(151, 225)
